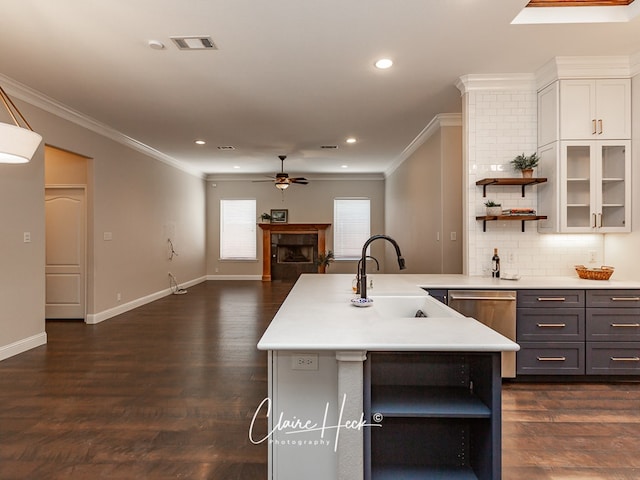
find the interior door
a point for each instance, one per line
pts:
(65, 270)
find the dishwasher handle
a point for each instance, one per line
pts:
(453, 296)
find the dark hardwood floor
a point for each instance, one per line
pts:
(168, 391)
(165, 391)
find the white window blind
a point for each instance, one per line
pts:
(351, 226)
(238, 229)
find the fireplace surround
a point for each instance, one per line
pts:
(290, 249)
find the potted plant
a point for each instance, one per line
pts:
(526, 164)
(265, 217)
(324, 260)
(493, 209)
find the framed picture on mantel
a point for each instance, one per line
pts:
(279, 216)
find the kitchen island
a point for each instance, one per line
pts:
(331, 365)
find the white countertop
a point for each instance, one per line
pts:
(318, 315)
(464, 281)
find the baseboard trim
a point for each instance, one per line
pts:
(94, 318)
(23, 345)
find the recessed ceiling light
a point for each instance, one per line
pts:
(351, 140)
(200, 142)
(384, 63)
(236, 166)
(156, 45)
(344, 166)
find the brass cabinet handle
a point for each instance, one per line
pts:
(551, 299)
(551, 359)
(600, 125)
(600, 220)
(552, 325)
(593, 122)
(625, 299)
(627, 325)
(625, 359)
(594, 220)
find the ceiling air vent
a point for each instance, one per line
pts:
(196, 42)
(329, 147)
(226, 147)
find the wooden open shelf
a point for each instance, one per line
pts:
(521, 218)
(509, 181)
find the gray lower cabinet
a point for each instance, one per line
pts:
(550, 329)
(613, 332)
(434, 415)
(578, 332)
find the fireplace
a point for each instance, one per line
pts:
(291, 249)
(296, 253)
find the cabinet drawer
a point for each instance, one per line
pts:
(550, 298)
(550, 358)
(613, 324)
(613, 298)
(553, 324)
(606, 358)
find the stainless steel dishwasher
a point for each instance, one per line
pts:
(497, 310)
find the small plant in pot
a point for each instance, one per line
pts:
(525, 164)
(324, 260)
(265, 217)
(493, 209)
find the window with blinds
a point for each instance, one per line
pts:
(351, 227)
(238, 229)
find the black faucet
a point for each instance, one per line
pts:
(363, 261)
(358, 271)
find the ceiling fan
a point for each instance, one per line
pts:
(282, 180)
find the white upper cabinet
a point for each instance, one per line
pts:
(585, 109)
(595, 109)
(584, 128)
(589, 187)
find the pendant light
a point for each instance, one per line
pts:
(18, 144)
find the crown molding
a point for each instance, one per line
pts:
(318, 177)
(439, 121)
(559, 68)
(483, 82)
(41, 101)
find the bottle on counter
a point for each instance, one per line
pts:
(495, 264)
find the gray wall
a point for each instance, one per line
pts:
(131, 195)
(311, 203)
(424, 204)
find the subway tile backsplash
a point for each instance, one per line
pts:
(499, 126)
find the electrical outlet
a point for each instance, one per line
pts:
(593, 256)
(305, 361)
(511, 257)
(118, 296)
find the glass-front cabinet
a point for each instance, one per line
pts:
(595, 186)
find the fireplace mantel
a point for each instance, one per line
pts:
(289, 228)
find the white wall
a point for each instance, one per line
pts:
(622, 250)
(500, 118)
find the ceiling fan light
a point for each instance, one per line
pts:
(282, 185)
